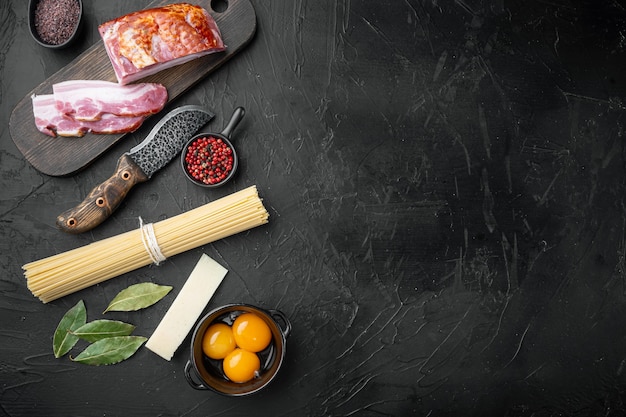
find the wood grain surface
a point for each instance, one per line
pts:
(65, 156)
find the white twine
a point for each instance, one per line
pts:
(149, 241)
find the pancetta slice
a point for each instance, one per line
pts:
(145, 42)
(52, 122)
(88, 100)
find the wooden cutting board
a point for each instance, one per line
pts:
(65, 156)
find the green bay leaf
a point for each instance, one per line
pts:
(100, 329)
(110, 350)
(63, 340)
(138, 296)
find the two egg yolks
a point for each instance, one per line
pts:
(237, 345)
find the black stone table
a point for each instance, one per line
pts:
(447, 233)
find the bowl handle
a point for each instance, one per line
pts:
(234, 121)
(189, 378)
(282, 319)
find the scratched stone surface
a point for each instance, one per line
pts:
(447, 235)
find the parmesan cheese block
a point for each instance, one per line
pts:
(187, 307)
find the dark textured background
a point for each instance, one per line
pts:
(446, 188)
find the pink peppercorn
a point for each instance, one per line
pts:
(209, 160)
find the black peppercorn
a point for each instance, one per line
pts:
(55, 20)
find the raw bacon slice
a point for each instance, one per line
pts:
(148, 41)
(50, 121)
(88, 100)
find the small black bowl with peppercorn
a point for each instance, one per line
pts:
(209, 159)
(55, 24)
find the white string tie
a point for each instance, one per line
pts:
(150, 242)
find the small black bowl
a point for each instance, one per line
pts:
(32, 7)
(224, 136)
(203, 373)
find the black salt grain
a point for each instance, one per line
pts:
(55, 20)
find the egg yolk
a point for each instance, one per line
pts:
(251, 332)
(218, 341)
(241, 365)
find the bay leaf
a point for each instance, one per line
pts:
(138, 296)
(100, 329)
(110, 350)
(63, 340)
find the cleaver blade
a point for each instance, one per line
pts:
(163, 143)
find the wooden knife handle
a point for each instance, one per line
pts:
(102, 200)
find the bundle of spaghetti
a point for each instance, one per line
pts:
(65, 273)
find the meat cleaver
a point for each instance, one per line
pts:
(163, 143)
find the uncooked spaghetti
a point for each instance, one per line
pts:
(62, 274)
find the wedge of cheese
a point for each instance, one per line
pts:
(187, 307)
